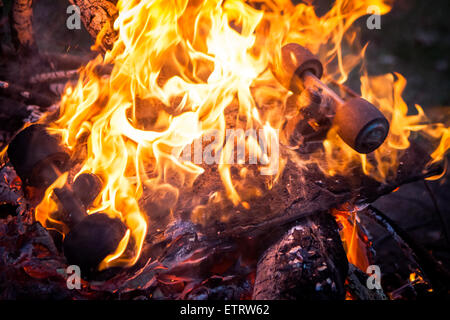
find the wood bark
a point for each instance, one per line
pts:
(22, 26)
(98, 16)
(308, 262)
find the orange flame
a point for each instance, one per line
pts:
(354, 241)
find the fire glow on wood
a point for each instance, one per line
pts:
(184, 74)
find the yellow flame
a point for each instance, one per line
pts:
(354, 244)
(177, 66)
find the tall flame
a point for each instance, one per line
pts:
(177, 66)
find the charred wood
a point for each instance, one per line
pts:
(438, 275)
(98, 17)
(308, 262)
(22, 27)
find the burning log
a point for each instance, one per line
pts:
(98, 17)
(37, 156)
(308, 262)
(92, 240)
(87, 187)
(300, 194)
(22, 27)
(39, 160)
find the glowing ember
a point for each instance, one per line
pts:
(179, 67)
